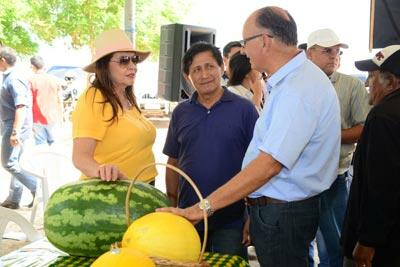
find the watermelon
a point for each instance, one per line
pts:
(83, 218)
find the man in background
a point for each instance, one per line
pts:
(47, 105)
(16, 126)
(324, 50)
(229, 50)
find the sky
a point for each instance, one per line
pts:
(348, 18)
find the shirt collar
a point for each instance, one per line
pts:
(226, 96)
(8, 71)
(294, 63)
(334, 77)
(390, 95)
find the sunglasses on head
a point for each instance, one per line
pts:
(124, 60)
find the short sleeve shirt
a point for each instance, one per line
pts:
(354, 108)
(299, 127)
(210, 145)
(127, 143)
(14, 92)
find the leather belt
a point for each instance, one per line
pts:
(262, 201)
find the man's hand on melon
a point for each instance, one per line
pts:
(194, 214)
(110, 172)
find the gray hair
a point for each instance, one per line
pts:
(9, 55)
(281, 24)
(384, 77)
(38, 62)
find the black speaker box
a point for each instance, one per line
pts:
(175, 40)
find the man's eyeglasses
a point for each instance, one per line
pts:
(244, 41)
(331, 51)
(124, 60)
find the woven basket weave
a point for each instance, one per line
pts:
(166, 262)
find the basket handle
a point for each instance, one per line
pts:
(188, 179)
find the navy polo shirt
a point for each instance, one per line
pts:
(210, 145)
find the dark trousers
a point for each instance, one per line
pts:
(281, 233)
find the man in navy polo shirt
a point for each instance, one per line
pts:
(207, 138)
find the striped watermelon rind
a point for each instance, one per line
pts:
(83, 218)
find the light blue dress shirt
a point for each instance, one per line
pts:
(300, 128)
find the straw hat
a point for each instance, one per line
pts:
(110, 41)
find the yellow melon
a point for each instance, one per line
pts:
(164, 235)
(123, 257)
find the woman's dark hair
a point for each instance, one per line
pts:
(102, 82)
(239, 67)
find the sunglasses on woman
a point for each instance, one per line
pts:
(124, 60)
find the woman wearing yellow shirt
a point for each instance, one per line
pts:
(112, 139)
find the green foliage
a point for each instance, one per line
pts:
(82, 20)
(13, 32)
(151, 14)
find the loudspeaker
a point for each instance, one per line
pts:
(175, 40)
(385, 23)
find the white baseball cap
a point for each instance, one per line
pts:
(388, 59)
(324, 38)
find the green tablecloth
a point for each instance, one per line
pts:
(41, 253)
(214, 259)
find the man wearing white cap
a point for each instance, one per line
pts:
(371, 230)
(324, 51)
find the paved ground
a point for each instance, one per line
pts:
(64, 134)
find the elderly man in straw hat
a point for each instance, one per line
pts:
(371, 230)
(112, 139)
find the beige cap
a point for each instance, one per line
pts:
(110, 41)
(324, 38)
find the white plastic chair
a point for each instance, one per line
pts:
(7, 215)
(49, 164)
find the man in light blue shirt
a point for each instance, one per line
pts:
(294, 153)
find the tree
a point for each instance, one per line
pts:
(83, 20)
(13, 32)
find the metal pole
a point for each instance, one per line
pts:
(130, 13)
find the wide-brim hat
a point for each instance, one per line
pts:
(324, 38)
(388, 59)
(111, 41)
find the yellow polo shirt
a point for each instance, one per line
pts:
(126, 143)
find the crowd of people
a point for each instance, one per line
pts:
(268, 136)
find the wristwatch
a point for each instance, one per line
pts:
(206, 206)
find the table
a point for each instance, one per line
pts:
(42, 253)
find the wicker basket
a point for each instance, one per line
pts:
(166, 262)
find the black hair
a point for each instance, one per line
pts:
(9, 55)
(37, 62)
(198, 48)
(239, 67)
(228, 47)
(302, 46)
(281, 28)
